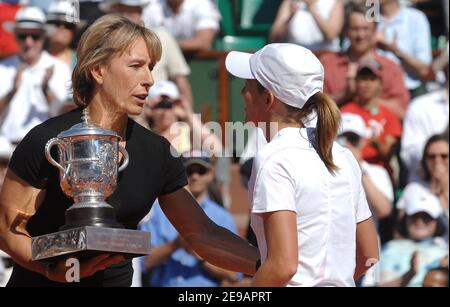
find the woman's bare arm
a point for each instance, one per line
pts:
(213, 243)
(282, 250)
(367, 247)
(330, 27)
(280, 26)
(18, 203)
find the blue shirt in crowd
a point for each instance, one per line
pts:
(395, 259)
(182, 269)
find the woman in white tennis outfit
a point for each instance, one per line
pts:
(309, 210)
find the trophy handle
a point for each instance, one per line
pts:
(126, 158)
(48, 147)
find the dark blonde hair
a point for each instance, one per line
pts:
(109, 36)
(328, 122)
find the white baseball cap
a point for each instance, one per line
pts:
(292, 73)
(164, 88)
(6, 149)
(106, 5)
(354, 123)
(424, 202)
(64, 10)
(28, 17)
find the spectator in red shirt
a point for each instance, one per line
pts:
(340, 68)
(384, 127)
(8, 45)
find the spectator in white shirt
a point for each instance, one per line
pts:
(405, 36)
(34, 84)
(194, 23)
(314, 24)
(427, 115)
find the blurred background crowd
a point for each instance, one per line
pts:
(386, 66)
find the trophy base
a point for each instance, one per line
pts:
(87, 241)
(97, 216)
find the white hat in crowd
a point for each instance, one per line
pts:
(424, 202)
(6, 149)
(28, 17)
(354, 123)
(164, 88)
(106, 5)
(64, 10)
(292, 73)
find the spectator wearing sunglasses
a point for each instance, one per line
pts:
(170, 114)
(383, 125)
(427, 115)
(62, 17)
(33, 83)
(434, 172)
(172, 261)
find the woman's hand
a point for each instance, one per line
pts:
(87, 268)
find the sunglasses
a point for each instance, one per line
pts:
(165, 104)
(434, 156)
(64, 24)
(34, 36)
(350, 137)
(196, 169)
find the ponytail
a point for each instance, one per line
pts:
(328, 121)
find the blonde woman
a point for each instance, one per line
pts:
(115, 58)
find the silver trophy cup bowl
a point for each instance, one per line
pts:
(88, 171)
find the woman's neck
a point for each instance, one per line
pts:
(162, 130)
(175, 6)
(390, 9)
(58, 49)
(276, 125)
(103, 115)
(368, 104)
(200, 197)
(356, 56)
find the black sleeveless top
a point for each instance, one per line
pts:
(152, 171)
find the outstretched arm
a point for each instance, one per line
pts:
(213, 243)
(18, 203)
(280, 229)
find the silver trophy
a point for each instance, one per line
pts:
(88, 168)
